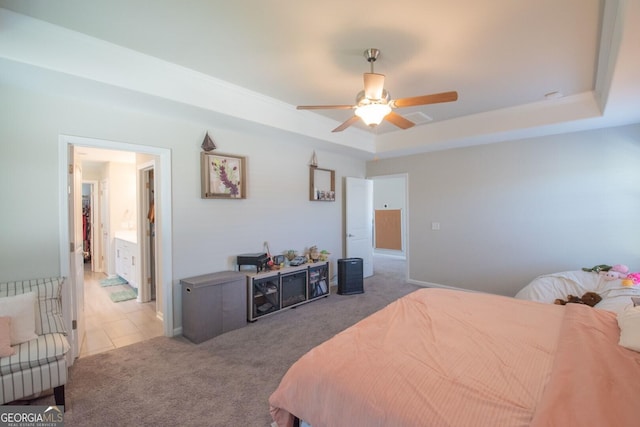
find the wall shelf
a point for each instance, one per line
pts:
(322, 184)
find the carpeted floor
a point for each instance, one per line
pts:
(225, 381)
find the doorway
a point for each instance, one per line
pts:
(162, 225)
(89, 243)
(109, 324)
(390, 195)
(390, 204)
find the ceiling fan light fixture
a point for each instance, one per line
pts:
(372, 114)
(374, 104)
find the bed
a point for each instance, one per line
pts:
(548, 287)
(441, 357)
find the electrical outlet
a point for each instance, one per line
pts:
(435, 226)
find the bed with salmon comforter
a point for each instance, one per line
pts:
(441, 357)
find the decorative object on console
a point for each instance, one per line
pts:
(314, 160)
(278, 260)
(208, 144)
(299, 260)
(324, 255)
(259, 260)
(223, 176)
(314, 253)
(270, 262)
(291, 254)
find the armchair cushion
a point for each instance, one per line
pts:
(21, 310)
(48, 317)
(45, 349)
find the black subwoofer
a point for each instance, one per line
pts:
(350, 279)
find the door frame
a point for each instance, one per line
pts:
(94, 246)
(75, 276)
(104, 226)
(163, 224)
(145, 250)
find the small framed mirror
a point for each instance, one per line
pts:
(322, 185)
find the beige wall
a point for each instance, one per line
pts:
(514, 210)
(207, 234)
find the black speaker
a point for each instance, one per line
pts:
(350, 279)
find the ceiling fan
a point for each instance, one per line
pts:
(373, 104)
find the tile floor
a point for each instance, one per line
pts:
(109, 325)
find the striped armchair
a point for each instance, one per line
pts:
(38, 364)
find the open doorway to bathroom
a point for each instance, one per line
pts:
(119, 304)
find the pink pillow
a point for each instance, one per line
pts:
(5, 337)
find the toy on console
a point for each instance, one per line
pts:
(589, 298)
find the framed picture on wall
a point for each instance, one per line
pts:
(223, 176)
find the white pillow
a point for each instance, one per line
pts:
(548, 287)
(629, 323)
(22, 310)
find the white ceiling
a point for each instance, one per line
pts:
(501, 56)
(98, 155)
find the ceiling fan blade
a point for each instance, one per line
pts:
(398, 120)
(373, 85)
(325, 107)
(425, 99)
(346, 124)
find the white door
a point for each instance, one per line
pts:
(359, 221)
(76, 258)
(95, 233)
(147, 242)
(104, 226)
